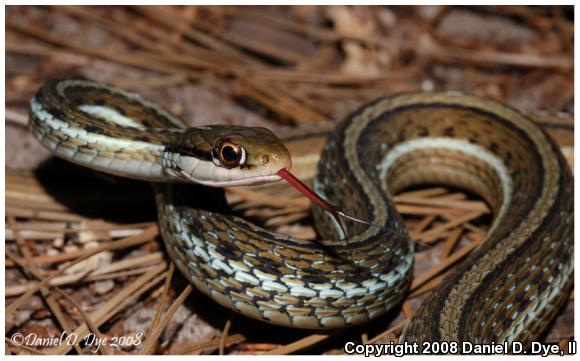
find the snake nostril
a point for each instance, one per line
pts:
(265, 158)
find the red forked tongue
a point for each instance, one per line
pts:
(336, 213)
(315, 198)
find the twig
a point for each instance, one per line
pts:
(298, 345)
(451, 241)
(135, 265)
(154, 324)
(147, 347)
(112, 306)
(211, 345)
(144, 236)
(225, 332)
(49, 298)
(104, 349)
(434, 233)
(124, 243)
(428, 47)
(16, 118)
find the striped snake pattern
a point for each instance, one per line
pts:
(508, 289)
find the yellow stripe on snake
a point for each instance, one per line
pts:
(508, 289)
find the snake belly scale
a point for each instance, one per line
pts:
(508, 289)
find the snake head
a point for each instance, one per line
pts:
(224, 155)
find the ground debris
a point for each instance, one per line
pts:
(272, 66)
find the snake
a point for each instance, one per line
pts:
(509, 288)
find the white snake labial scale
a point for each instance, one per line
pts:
(508, 288)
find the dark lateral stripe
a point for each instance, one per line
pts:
(191, 152)
(434, 304)
(561, 202)
(66, 109)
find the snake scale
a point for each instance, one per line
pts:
(508, 289)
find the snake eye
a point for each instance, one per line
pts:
(231, 155)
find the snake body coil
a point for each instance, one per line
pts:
(508, 289)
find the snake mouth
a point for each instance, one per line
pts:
(250, 181)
